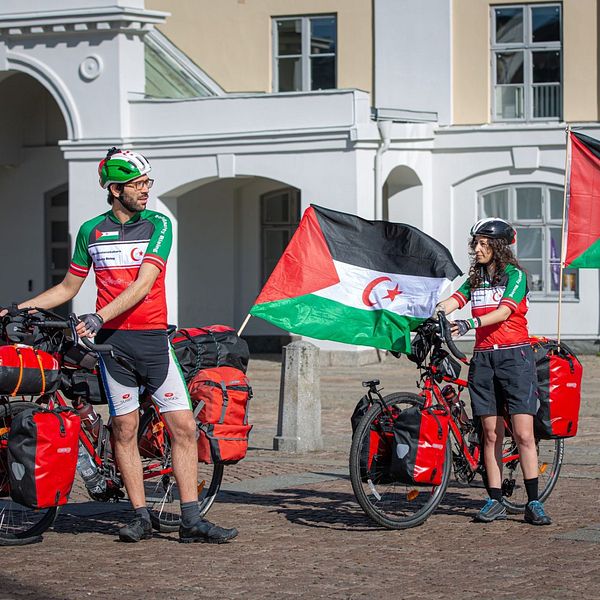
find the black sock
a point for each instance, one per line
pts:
(143, 513)
(190, 513)
(531, 486)
(495, 494)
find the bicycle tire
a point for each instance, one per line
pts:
(162, 497)
(392, 504)
(550, 457)
(19, 525)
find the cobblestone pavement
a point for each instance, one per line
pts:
(302, 535)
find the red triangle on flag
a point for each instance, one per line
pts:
(305, 267)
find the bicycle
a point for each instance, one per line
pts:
(50, 332)
(399, 506)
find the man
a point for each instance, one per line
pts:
(128, 247)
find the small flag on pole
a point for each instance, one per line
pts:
(583, 204)
(361, 282)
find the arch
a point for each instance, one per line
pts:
(55, 86)
(403, 197)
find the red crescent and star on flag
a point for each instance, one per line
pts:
(391, 292)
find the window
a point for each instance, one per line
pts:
(536, 211)
(280, 215)
(304, 51)
(526, 62)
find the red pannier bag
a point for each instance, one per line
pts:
(25, 371)
(42, 456)
(559, 376)
(220, 397)
(420, 436)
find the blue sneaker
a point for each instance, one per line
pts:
(535, 514)
(491, 511)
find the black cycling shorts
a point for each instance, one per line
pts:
(154, 365)
(505, 375)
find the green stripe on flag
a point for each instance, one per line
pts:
(326, 319)
(590, 259)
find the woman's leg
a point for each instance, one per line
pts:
(524, 436)
(493, 436)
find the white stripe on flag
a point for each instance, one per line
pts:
(407, 295)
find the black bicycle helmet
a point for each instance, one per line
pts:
(498, 229)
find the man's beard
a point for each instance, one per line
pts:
(130, 205)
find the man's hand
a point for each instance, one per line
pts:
(89, 324)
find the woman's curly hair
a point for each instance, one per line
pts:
(502, 256)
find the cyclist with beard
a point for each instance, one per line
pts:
(128, 247)
(502, 371)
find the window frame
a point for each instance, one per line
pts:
(527, 46)
(291, 225)
(546, 223)
(305, 56)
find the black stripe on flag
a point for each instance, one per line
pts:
(592, 144)
(383, 246)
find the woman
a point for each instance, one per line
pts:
(502, 369)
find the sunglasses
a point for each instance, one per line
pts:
(139, 185)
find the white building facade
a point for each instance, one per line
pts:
(235, 170)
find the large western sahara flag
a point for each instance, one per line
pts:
(360, 282)
(583, 208)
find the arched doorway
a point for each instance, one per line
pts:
(231, 233)
(33, 188)
(403, 197)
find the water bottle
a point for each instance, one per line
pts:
(90, 419)
(88, 469)
(457, 406)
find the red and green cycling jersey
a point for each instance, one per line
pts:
(510, 291)
(117, 251)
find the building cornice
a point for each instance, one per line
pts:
(80, 21)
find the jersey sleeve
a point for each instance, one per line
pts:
(160, 243)
(516, 289)
(463, 294)
(81, 261)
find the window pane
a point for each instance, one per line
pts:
(535, 274)
(289, 37)
(570, 280)
(495, 204)
(556, 204)
(545, 24)
(290, 75)
(509, 67)
(322, 35)
(509, 25)
(509, 102)
(59, 231)
(554, 254)
(275, 242)
(546, 101)
(61, 199)
(529, 242)
(60, 258)
(529, 203)
(322, 73)
(546, 66)
(276, 208)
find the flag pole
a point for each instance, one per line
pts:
(564, 223)
(244, 324)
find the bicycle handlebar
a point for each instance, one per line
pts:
(96, 347)
(446, 333)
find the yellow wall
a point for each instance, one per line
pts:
(231, 39)
(471, 80)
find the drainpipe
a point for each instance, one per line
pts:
(385, 128)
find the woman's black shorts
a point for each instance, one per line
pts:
(506, 375)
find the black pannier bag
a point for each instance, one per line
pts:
(26, 371)
(42, 456)
(209, 347)
(559, 376)
(420, 437)
(376, 452)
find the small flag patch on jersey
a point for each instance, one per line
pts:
(107, 236)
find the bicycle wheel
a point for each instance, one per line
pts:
(162, 493)
(550, 458)
(390, 503)
(18, 524)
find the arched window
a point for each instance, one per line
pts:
(536, 211)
